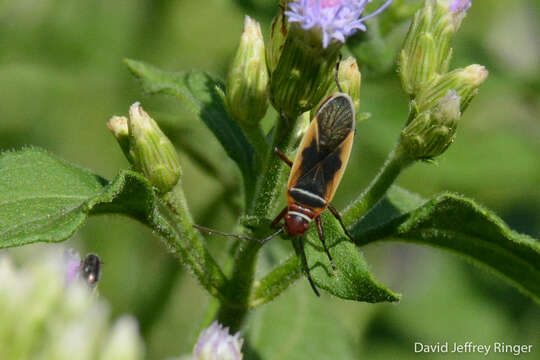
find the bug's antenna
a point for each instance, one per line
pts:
(242, 237)
(337, 72)
(215, 232)
(270, 237)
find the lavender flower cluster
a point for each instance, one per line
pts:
(337, 19)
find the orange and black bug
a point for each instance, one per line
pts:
(317, 170)
(316, 173)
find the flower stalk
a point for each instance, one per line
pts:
(395, 163)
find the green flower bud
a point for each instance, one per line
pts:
(350, 80)
(278, 35)
(247, 81)
(304, 73)
(427, 48)
(464, 82)
(154, 154)
(118, 125)
(431, 132)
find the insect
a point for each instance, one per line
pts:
(90, 269)
(317, 171)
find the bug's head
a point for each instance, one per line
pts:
(296, 224)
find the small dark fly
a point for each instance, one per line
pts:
(90, 269)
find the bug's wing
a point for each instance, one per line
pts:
(323, 179)
(324, 151)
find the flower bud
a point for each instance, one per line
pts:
(350, 80)
(464, 82)
(304, 72)
(215, 342)
(118, 125)
(427, 48)
(154, 154)
(247, 81)
(316, 32)
(278, 35)
(432, 131)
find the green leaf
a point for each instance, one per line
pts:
(298, 325)
(47, 199)
(396, 202)
(352, 279)
(355, 281)
(199, 92)
(42, 198)
(459, 224)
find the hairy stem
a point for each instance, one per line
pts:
(187, 243)
(270, 183)
(256, 137)
(277, 281)
(233, 310)
(396, 161)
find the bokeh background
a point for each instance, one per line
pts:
(62, 77)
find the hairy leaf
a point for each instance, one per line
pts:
(459, 224)
(396, 202)
(352, 279)
(46, 199)
(42, 198)
(199, 93)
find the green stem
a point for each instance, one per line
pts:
(256, 137)
(270, 183)
(274, 176)
(176, 227)
(233, 310)
(277, 281)
(396, 161)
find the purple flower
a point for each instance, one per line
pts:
(215, 343)
(337, 19)
(72, 265)
(460, 5)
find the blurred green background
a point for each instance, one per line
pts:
(62, 77)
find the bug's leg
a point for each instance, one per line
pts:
(304, 259)
(283, 157)
(337, 71)
(338, 217)
(321, 236)
(278, 218)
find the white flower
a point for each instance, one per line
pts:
(43, 316)
(215, 343)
